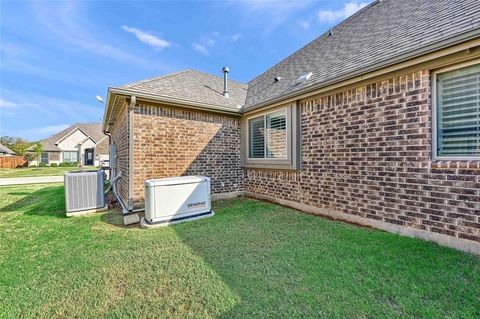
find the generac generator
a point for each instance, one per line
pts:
(176, 199)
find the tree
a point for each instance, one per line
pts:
(37, 150)
(16, 144)
(20, 148)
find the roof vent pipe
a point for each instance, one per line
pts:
(225, 81)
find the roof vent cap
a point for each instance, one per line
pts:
(277, 78)
(304, 78)
(225, 81)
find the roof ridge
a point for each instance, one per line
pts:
(169, 75)
(364, 42)
(157, 77)
(317, 38)
(206, 73)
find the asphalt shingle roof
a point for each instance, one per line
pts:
(379, 32)
(93, 130)
(193, 86)
(5, 150)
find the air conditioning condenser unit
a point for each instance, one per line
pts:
(84, 192)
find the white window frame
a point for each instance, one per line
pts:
(292, 160)
(63, 156)
(435, 155)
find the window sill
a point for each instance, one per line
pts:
(271, 166)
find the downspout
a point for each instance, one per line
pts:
(130, 215)
(111, 175)
(131, 111)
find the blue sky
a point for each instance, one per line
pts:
(57, 56)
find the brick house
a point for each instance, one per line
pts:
(373, 123)
(83, 143)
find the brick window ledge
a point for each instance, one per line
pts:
(455, 164)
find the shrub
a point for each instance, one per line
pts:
(74, 164)
(42, 164)
(53, 165)
(64, 164)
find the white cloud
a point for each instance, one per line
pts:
(200, 48)
(52, 108)
(270, 13)
(304, 24)
(8, 104)
(148, 38)
(39, 114)
(208, 41)
(45, 130)
(235, 37)
(330, 16)
(67, 24)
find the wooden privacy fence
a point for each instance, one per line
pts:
(13, 161)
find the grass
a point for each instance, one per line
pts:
(251, 260)
(37, 171)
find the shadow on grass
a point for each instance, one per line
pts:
(47, 201)
(283, 263)
(19, 193)
(114, 217)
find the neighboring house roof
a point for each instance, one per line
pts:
(193, 86)
(378, 33)
(92, 130)
(5, 150)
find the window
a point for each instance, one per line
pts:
(70, 157)
(44, 157)
(268, 135)
(271, 139)
(457, 114)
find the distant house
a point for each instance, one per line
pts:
(84, 143)
(5, 151)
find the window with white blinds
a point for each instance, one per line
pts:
(256, 133)
(458, 113)
(70, 157)
(268, 135)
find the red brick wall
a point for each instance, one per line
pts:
(174, 142)
(366, 152)
(119, 136)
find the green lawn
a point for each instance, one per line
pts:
(251, 260)
(38, 171)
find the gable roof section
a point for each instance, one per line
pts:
(192, 86)
(376, 34)
(102, 147)
(92, 130)
(64, 137)
(5, 150)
